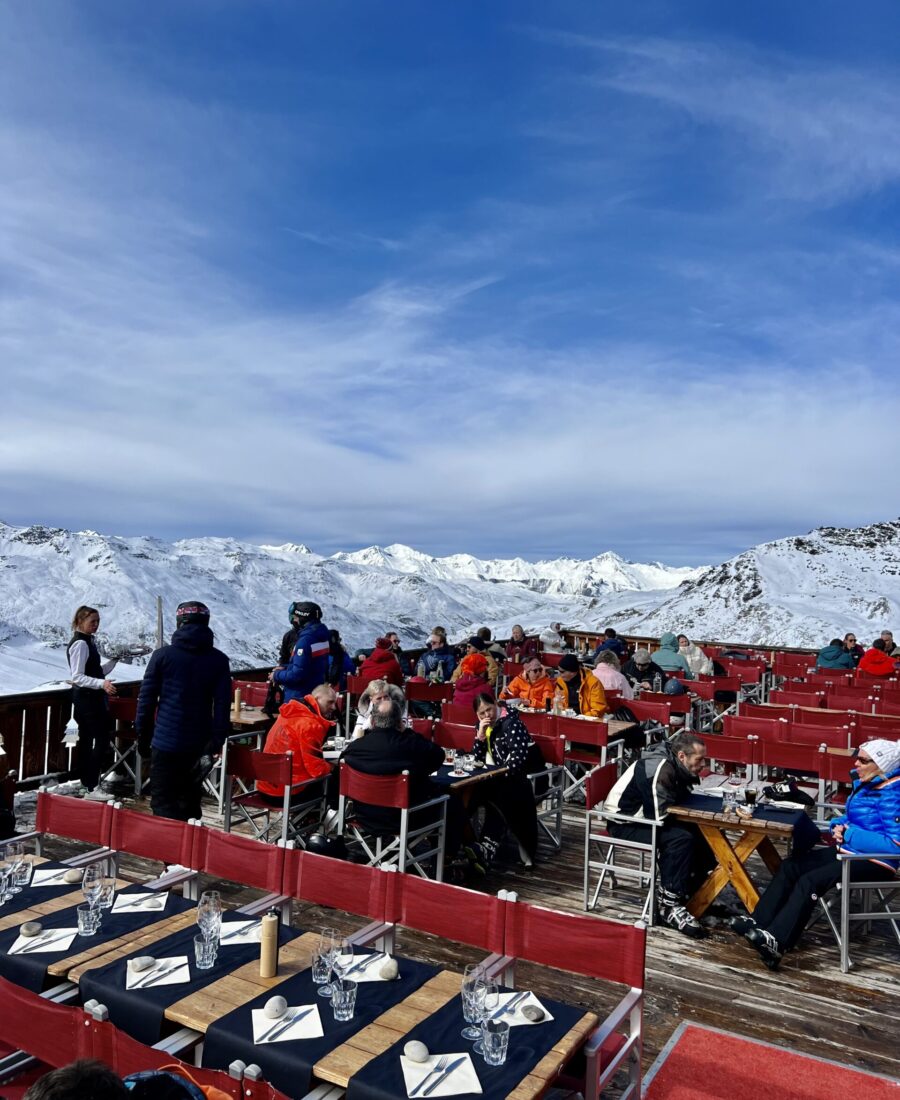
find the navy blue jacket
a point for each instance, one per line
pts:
(308, 666)
(615, 644)
(187, 686)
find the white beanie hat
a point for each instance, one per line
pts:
(886, 754)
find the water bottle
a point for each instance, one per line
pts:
(657, 682)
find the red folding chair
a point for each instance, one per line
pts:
(804, 733)
(452, 735)
(298, 816)
(253, 692)
(768, 710)
(830, 676)
(725, 749)
(249, 862)
(393, 847)
(888, 708)
(876, 725)
(588, 745)
(163, 838)
(451, 912)
(461, 716)
(597, 948)
(424, 727)
(126, 757)
(356, 685)
(51, 1032)
(805, 760)
(76, 819)
(601, 848)
(550, 660)
(659, 713)
(428, 693)
(850, 698)
(538, 723)
(548, 787)
(836, 719)
(797, 698)
(766, 729)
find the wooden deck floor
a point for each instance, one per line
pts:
(807, 1006)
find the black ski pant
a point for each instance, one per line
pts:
(683, 857)
(786, 906)
(92, 752)
(508, 802)
(175, 784)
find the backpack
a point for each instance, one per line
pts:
(169, 1084)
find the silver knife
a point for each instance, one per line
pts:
(43, 943)
(147, 901)
(444, 1075)
(282, 1026)
(54, 877)
(363, 963)
(144, 982)
(241, 930)
(510, 1005)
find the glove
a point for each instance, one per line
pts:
(145, 737)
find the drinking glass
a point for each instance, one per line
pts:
(450, 758)
(321, 969)
(329, 945)
(494, 1041)
(343, 998)
(107, 892)
(468, 763)
(490, 1006)
(209, 914)
(88, 920)
(23, 873)
(92, 883)
(473, 990)
(5, 872)
(15, 854)
(205, 951)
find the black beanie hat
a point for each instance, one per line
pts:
(569, 663)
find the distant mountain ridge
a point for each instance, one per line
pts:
(800, 590)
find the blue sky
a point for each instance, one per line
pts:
(508, 278)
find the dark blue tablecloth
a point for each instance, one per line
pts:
(382, 1078)
(141, 1012)
(34, 895)
(288, 1065)
(805, 835)
(444, 779)
(30, 971)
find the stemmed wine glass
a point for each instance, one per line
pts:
(5, 872)
(489, 1006)
(329, 946)
(473, 991)
(209, 914)
(343, 957)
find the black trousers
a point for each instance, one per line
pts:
(175, 784)
(786, 906)
(91, 712)
(508, 803)
(682, 855)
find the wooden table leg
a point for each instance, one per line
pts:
(769, 854)
(731, 860)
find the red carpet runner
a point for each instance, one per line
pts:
(705, 1064)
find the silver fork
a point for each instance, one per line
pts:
(438, 1069)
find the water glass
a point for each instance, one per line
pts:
(321, 969)
(5, 873)
(92, 883)
(343, 998)
(468, 763)
(22, 876)
(494, 1041)
(88, 920)
(490, 1004)
(329, 946)
(473, 991)
(107, 893)
(450, 758)
(209, 914)
(339, 742)
(15, 855)
(205, 951)
(729, 800)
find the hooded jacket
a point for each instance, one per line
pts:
(591, 696)
(651, 785)
(308, 666)
(468, 687)
(669, 659)
(613, 680)
(834, 656)
(493, 670)
(185, 695)
(300, 729)
(873, 818)
(877, 663)
(382, 664)
(698, 662)
(532, 695)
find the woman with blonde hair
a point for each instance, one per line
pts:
(375, 691)
(90, 688)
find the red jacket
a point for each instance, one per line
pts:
(300, 729)
(381, 664)
(467, 688)
(876, 663)
(520, 651)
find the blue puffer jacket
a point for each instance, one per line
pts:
(187, 686)
(873, 817)
(309, 663)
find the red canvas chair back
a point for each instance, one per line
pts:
(512, 669)
(766, 710)
(727, 683)
(848, 699)
(154, 837)
(253, 693)
(550, 660)
(538, 723)
(732, 750)
(576, 729)
(804, 687)
(241, 859)
(454, 712)
(876, 725)
(887, 707)
(376, 790)
(793, 664)
(747, 672)
(356, 685)
(451, 912)
(553, 748)
(253, 764)
(75, 818)
(677, 704)
(121, 708)
(351, 887)
(452, 735)
(802, 733)
(53, 1033)
(428, 693)
(646, 712)
(703, 689)
(581, 944)
(832, 676)
(787, 754)
(599, 782)
(836, 719)
(424, 727)
(767, 729)
(798, 698)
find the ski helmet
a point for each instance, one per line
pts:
(191, 611)
(304, 611)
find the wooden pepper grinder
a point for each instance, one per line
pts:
(268, 945)
(236, 709)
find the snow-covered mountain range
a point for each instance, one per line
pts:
(794, 591)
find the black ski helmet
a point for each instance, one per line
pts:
(304, 611)
(191, 611)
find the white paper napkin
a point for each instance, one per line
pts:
(368, 972)
(51, 939)
(138, 903)
(160, 974)
(462, 1079)
(515, 1018)
(239, 931)
(307, 1024)
(51, 876)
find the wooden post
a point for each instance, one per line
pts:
(159, 623)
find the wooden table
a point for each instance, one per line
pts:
(250, 719)
(756, 835)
